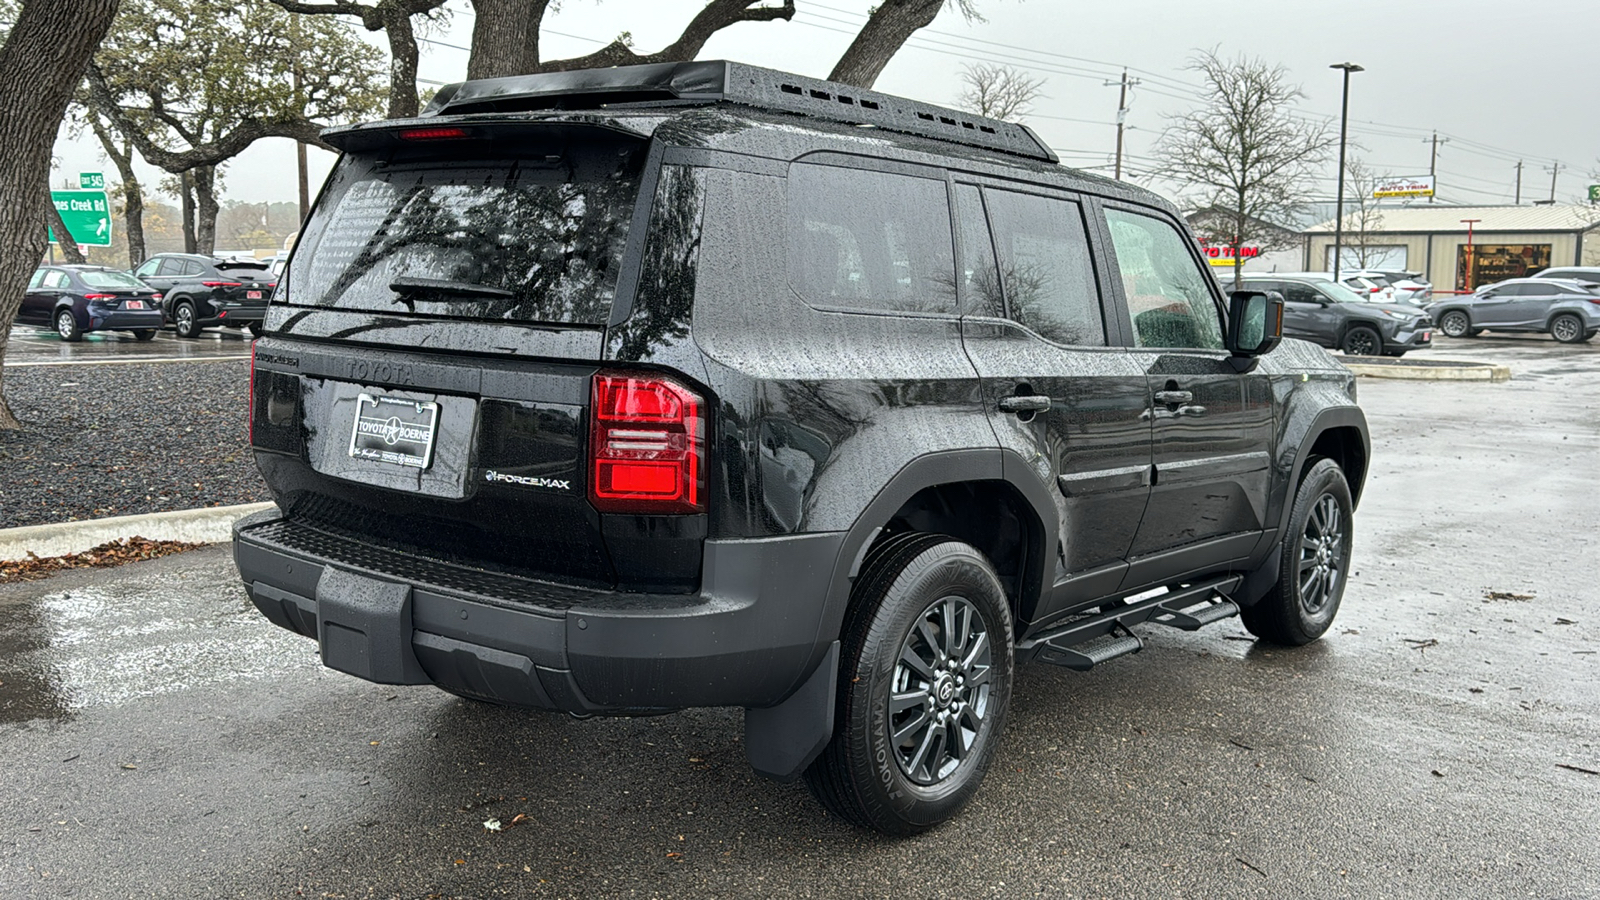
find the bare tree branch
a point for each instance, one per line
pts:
(393, 18)
(1244, 153)
(715, 16)
(999, 92)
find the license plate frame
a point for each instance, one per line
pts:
(394, 430)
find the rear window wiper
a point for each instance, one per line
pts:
(442, 286)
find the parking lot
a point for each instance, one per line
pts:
(37, 346)
(163, 739)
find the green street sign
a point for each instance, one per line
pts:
(1594, 193)
(87, 214)
(91, 181)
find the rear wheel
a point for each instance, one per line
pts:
(184, 320)
(924, 679)
(1361, 341)
(1456, 324)
(255, 329)
(1567, 328)
(67, 326)
(144, 334)
(1313, 562)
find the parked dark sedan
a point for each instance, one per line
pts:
(205, 290)
(79, 299)
(1565, 309)
(1325, 312)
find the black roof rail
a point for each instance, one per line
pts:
(720, 81)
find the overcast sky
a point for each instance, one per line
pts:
(1500, 81)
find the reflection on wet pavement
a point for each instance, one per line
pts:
(132, 637)
(38, 346)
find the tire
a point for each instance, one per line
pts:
(67, 326)
(255, 329)
(144, 334)
(1361, 341)
(1589, 336)
(1456, 324)
(1297, 610)
(1567, 328)
(184, 320)
(1395, 353)
(916, 594)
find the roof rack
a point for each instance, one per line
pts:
(717, 81)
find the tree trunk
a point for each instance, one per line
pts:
(40, 64)
(186, 203)
(132, 193)
(505, 37)
(888, 29)
(64, 238)
(204, 180)
(402, 62)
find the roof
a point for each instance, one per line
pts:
(1439, 219)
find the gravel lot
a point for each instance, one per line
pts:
(116, 440)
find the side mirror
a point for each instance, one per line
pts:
(1255, 326)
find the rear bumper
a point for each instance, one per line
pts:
(748, 638)
(237, 313)
(121, 320)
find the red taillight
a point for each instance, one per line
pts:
(223, 283)
(646, 446)
(99, 296)
(432, 134)
(155, 298)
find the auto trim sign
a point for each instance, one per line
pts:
(1224, 256)
(1404, 187)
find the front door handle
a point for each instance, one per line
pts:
(1173, 398)
(1025, 403)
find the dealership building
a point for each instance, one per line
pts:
(1434, 239)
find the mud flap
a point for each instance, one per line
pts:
(780, 741)
(364, 628)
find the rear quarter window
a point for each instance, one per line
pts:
(870, 241)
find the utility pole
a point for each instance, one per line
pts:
(1519, 182)
(1344, 120)
(1122, 112)
(1433, 162)
(1554, 171)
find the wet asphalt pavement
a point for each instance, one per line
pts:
(159, 738)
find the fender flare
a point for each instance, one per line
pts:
(781, 741)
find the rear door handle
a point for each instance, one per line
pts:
(1025, 403)
(1174, 397)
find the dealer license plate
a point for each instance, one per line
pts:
(252, 295)
(394, 430)
(133, 304)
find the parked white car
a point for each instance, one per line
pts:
(1409, 287)
(1374, 290)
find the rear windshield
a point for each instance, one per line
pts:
(112, 280)
(536, 239)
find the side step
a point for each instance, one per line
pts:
(1098, 637)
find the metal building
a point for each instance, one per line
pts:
(1505, 241)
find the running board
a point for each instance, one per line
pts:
(1098, 637)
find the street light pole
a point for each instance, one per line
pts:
(1344, 122)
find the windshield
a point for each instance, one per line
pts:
(112, 280)
(1338, 293)
(536, 239)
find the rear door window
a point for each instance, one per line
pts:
(172, 267)
(1046, 268)
(536, 239)
(55, 278)
(871, 241)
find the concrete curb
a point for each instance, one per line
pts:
(207, 525)
(1461, 372)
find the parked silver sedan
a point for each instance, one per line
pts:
(1567, 310)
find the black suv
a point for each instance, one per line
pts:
(623, 391)
(204, 290)
(1326, 312)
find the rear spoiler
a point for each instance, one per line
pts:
(559, 129)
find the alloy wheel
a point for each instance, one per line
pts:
(66, 326)
(939, 695)
(1565, 329)
(1322, 558)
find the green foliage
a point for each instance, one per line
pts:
(189, 71)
